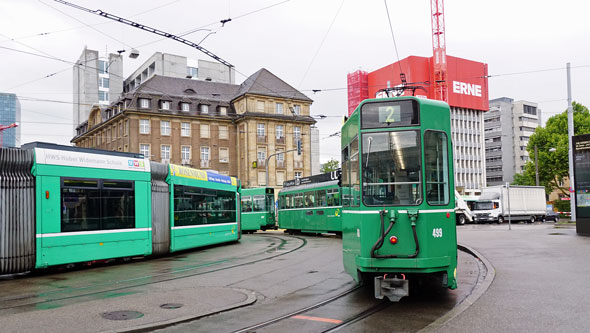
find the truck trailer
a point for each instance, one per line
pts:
(527, 203)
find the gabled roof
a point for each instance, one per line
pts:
(266, 83)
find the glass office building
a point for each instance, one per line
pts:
(9, 114)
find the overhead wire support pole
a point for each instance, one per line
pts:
(268, 160)
(147, 28)
(570, 134)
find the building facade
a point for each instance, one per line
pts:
(209, 125)
(508, 126)
(467, 98)
(9, 114)
(97, 80)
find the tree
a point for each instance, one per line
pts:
(553, 165)
(330, 166)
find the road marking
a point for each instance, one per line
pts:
(324, 320)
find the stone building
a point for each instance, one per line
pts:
(209, 125)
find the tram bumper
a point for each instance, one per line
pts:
(392, 288)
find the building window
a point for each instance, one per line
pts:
(279, 108)
(296, 132)
(103, 82)
(103, 96)
(191, 72)
(164, 127)
(144, 103)
(223, 132)
(260, 130)
(297, 109)
(204, 153)
(120, 129)
(185, 154)
(204, 131)
(223, 110)
(108, 134)
(103, 67)
(261, 156)
(223, 155)
(204, 108)
(260, 106)
(165, 105)
(165, 153)
(279, 131)
(144, 126)
(144, 149)
(529, 109)
(185, 107)
(298, 174)
(126, 129)
(185, 129)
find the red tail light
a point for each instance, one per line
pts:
(393, 240)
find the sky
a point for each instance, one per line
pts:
(309, 44)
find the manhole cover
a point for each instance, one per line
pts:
(121, 315)
(171, 306)
(556, 233)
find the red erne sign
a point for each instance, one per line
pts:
(467, 82)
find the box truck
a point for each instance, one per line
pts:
(527, 203)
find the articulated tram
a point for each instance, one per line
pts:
(258, 209)
(62, 205)
(397, 168)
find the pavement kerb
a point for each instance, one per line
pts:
(250, 299)
(479, 290)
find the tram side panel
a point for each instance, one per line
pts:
(86, 213)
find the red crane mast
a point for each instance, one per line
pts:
(5, 127)
(439, 50)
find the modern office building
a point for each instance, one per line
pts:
(97, 81)
(9, 114)
(204, 124)
(467, 97)
(508, 126)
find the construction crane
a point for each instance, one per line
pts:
(2, 129)
(439, 50)
(150, 29)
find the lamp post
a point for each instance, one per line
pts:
(537, 164)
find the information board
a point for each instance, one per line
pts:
(581, 144)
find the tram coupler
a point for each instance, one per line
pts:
(392, 288)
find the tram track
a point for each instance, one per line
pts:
(16, 302)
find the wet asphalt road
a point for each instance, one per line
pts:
(542, 281)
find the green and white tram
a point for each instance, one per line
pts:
(311, 204)
(397, 167)
(258, 209)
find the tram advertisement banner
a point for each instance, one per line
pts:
(208, 176)
(89, 160)
(325, 177)
(581, 144)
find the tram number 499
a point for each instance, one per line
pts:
(437, 232)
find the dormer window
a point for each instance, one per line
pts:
(165, 105)
(204, 108)
(185, 106)
(223, 110)
(144, 103)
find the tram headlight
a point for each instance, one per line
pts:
(393, 240)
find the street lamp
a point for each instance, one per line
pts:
(537, 164)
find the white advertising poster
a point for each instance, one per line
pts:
(89, 160)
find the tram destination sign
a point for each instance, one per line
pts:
(90, 160)
(325, 177)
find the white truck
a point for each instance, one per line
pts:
(462, 211)
(527, 203)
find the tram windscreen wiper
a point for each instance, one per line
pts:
(370, 139)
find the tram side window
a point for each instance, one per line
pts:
(298, 200)
(320, 196)
(333, 198)
(198, 206)
(246, 204)
(270, 202)
(309, 199)
(345, 180)
(436, 168)
(289, 201)
(258, 203)
(96, 204)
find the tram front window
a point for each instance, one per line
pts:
(391, 168)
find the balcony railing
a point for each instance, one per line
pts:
(280, 164)
(281, 140)
(298, 164)
(204, 163)
(187, 162)
(261, 163)
(261, 139)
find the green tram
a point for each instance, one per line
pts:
(397, 166)
(258, 209)
(311, 204)
(73, 205)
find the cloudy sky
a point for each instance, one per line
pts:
(309, 44)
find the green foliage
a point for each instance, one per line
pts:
(561, 205)
(524, 179)
(553, 166)
(330, 166)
